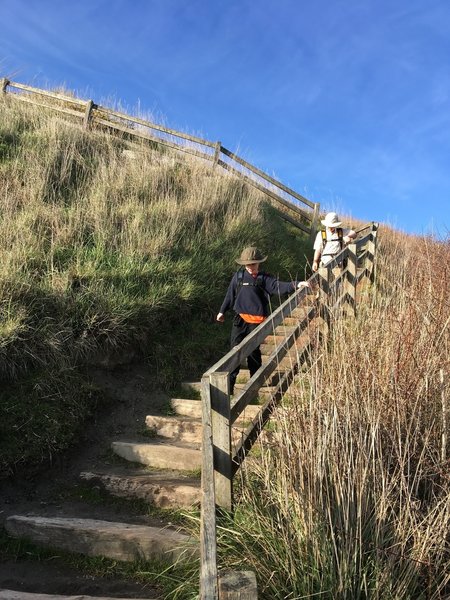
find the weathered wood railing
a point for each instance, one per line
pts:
(337, 284)
(293, 207)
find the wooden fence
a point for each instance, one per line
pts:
(289, 329)
(293, 207)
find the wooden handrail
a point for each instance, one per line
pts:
(92, 114)
(335, 293)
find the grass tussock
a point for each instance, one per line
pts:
(110, 250)
(353, 499)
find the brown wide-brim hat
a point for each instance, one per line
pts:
(250, 255)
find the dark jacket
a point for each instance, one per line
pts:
(253, 299)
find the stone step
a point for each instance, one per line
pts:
(193, 408)
(268, 349)
(184, 429)
(264, 392)
(284, 329)
(19, 595)
(299, 344)
(273, 379)
(286, 363)
(290, 322)
(178, 429)
(160, 455)
(162, 489)
(119, 541)
(300, 312)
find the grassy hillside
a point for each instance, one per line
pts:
(109, 255)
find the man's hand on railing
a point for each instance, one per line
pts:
(220, 317)
(302, 284)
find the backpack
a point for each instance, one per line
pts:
(340, 237)
(258, 283)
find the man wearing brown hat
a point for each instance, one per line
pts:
(249, 296)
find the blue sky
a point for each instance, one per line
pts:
(347, 102)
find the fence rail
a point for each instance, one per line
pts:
(288, 327)
(293, 207)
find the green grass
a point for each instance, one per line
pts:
(104, 257)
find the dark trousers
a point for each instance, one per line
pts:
(239, 331)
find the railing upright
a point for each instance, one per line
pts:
(351, 279)
(208, 540)
(221, 430)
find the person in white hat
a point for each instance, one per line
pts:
(329, 242)
(248, 295)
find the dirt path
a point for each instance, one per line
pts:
(57, 490)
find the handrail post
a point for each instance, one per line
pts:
(87, 114)
(4, 84)
(208, 539)
(371, 249)
(217, 152)
(351, 278)
(221, 436)
(314, 221)
(324, 295)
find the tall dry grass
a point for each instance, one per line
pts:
(353, 499)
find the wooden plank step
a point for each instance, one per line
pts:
(19, 595)
(119, 541)
(162, 489)
(193, 408)
(160, 455)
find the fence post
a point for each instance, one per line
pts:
(87, 114)
(351, 277)
(314, 221)
(221, 436)
(324, 296)
(4, 84)
(371, 249)
(217, 152)
(208, 539)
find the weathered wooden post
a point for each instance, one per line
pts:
(4, 84)
(351, 278)
(221, 436)
(208, 539)
(87, 114)
(371, 249)
(314, 221)
(324, 295)
(217, 151)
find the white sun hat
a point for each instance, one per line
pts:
(331, 220)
